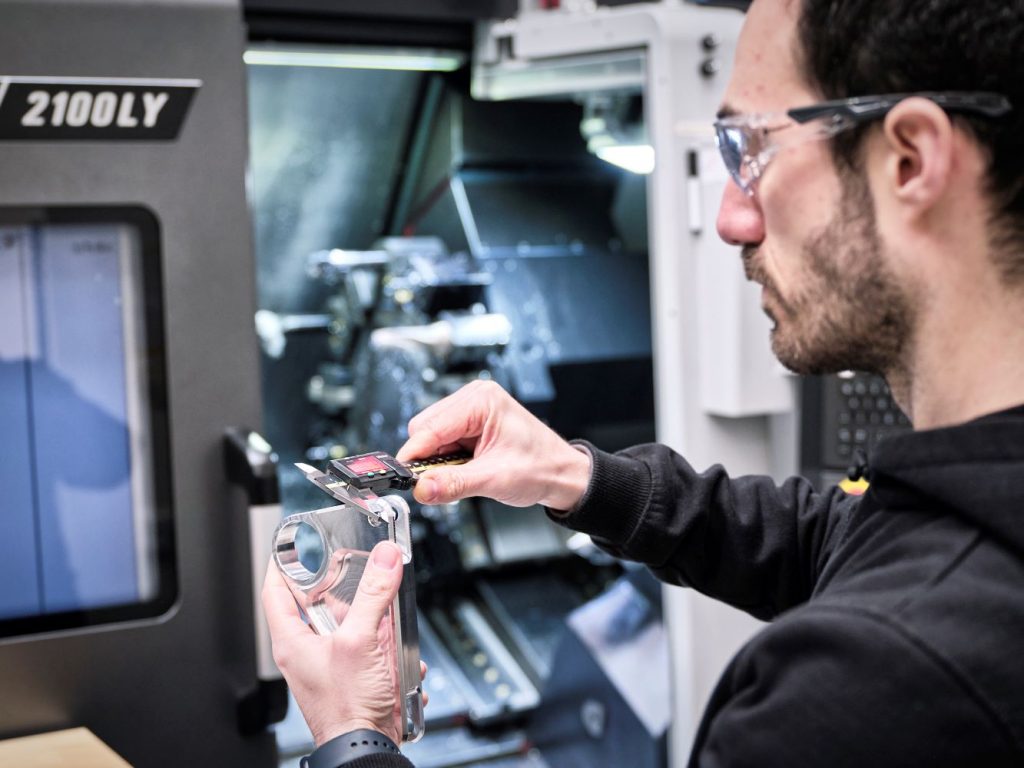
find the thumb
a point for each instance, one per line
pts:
(444, 485)
(381, 580)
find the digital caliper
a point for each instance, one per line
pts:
(359, 479)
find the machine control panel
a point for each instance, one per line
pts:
(844, 417)
(859, 412)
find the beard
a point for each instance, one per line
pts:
(851, 313)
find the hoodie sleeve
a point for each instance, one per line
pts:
(745, 541)
(846, 688)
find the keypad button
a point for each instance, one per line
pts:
(844, 436)
(860, 436)
(846, 388)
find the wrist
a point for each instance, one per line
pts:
(570, 480)
(351, 747)
(324, 735)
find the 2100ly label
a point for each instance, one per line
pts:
(93, 109)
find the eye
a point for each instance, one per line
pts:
(757, 141)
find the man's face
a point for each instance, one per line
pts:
(809, 233)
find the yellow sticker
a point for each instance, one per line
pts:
(854, 487)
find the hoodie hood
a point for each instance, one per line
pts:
(974, 469)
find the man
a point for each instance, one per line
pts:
(888, 235)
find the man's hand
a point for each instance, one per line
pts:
(342, 681)
(517, 459)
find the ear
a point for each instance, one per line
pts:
(920, 145)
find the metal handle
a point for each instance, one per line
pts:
(251, 463)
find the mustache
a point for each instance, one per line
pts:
(753, 268)
(755, 271)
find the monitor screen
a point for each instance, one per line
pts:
(84, 478)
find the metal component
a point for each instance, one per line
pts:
(457, 335)
(594, 718)
(339, 490)
(331, 395)
(323, 554)
(273, 329)
(464, 627)
(710, 42)
(336, 263)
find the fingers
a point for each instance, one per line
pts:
(423, 670)
(441, 433)
(452, 421)
(447, 484)
(421, 445)
(377, 589)
(283, 616)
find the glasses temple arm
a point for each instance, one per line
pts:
(868, 108)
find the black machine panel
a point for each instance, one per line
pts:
(843, 417)
(132, 386)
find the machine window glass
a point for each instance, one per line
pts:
(84, 476)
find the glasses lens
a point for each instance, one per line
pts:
(732, 145)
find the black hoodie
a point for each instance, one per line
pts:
(898, 618)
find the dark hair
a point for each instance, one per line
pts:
(864, 47)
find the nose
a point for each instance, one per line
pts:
(740, 221)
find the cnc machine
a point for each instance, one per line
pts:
(437, 193)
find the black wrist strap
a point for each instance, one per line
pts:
(343, 749)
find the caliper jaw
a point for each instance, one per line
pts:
(376, 509)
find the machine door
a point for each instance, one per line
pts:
(126, 349)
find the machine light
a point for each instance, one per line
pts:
(636, 158)
(410, 59)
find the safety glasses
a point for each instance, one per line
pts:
(749, 142)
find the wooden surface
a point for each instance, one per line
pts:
(76, 747)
